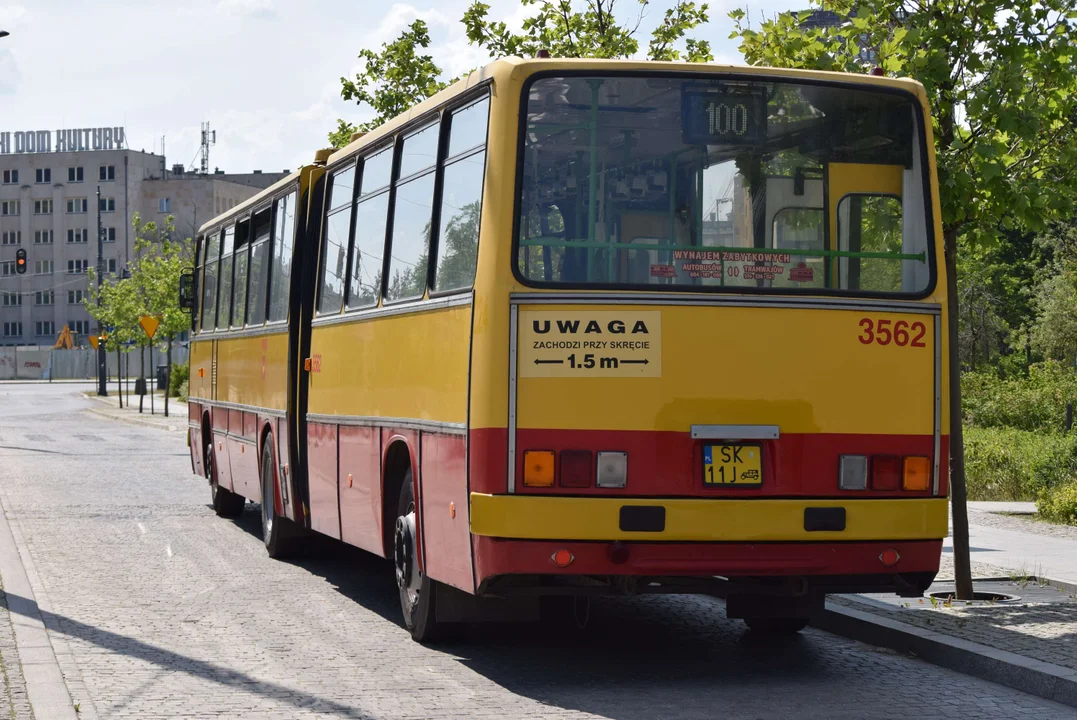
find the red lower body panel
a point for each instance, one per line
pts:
(495, 557)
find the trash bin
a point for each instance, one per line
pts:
(162, 377)
(140, 386)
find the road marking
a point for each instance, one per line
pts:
(142, 528)
(168, 550)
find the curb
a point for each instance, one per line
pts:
(136, 421)
(1035, 677)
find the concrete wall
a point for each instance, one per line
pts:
(24, 364)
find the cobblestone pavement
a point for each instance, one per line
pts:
(1022, 523)
(166, 611)
(14, 702)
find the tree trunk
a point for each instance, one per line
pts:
(168, 374)
(119, 376)
(958, 495)
(142, 374)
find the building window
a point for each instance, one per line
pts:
(111, 266)
(108, 173)
(12, 237)
(108, 205)
(110, 234)
(43, 267)
(12, 329)
(42, 207)
(81, 327)
(74, 175)
(77, 205)
(74, 297)
(44, 328)
(164, 205)
(12, 299)
(76, 267)
(43, 237)
(44, 297)
(11, 177)
(7, 269)
(78, 236)
(9, 207)
(44, 175)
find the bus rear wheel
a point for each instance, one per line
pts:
(225, 502)
(776, 626)
(418, 593)
(278, 533)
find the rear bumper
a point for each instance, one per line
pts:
(713, 520)
(496, 558)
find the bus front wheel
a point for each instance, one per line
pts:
(418, 593)
(225, 502)
(278, 533)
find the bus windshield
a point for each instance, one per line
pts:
(700, 183)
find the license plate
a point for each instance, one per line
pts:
(732, 465)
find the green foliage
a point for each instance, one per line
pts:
(180, 375)
(399, 76)
(1034, 403)
(1003, 463)
(1058, 504)
(1001, 80)
(391, 81)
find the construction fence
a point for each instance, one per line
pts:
(25, 363)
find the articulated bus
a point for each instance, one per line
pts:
(574, 327)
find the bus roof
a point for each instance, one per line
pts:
(520, 67)
(245, 206)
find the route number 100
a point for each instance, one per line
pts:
(725, 119)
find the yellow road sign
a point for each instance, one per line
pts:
(93, 341)
(149, 324)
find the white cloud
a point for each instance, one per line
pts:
(248, 8)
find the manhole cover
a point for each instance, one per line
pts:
(977, 595)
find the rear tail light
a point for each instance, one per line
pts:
(576, 468)
(917, 473)
(612, 469)
(885, 472)
(538, 468)
(854, 472)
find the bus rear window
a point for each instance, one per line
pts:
(709, 184)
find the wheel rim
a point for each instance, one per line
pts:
(408, 577)
(267, 495)
(210, 474)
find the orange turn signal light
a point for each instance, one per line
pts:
(917, 473)
(538, 468)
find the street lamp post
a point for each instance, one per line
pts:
(102, 357)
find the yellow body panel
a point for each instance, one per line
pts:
(201, 382)
(811, 374)
(254, 370)
(582, 518)
(401, 366)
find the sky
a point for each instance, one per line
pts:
(264, 73)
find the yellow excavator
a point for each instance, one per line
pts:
(65, 341)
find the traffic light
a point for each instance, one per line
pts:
(20, 261)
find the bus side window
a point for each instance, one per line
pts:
(199, 269)
(461, 199)
(281, 273)
(259, 268)
(870, 224)
(371, 217)
(241, 264)
(224, 299)
(409, 242)
(338, 216)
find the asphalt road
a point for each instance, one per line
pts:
(159, 609)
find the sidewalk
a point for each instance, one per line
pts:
(110, 407)
(1028, 643)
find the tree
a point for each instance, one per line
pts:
(118, 312)
(399, 77)
(1002, 83)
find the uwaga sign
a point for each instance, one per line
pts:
(41, 141)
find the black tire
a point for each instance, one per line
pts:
(225, 502)
(418, 593)
(278, 533)
(776, 626)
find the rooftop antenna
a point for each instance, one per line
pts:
(209, 137)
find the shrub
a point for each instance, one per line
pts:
(1011, 464)
(1058, 504)
(1036, 402)
(178, 380)
(183, 391)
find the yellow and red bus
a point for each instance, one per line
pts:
(573, 327)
